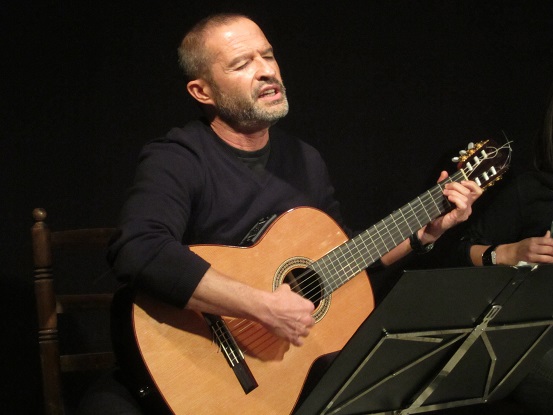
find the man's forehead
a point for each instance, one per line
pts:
(236, 38)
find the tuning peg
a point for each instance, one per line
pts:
(455, 159)
(463, 152)
(470, 146)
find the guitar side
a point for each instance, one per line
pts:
(190, 372)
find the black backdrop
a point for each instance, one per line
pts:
(388, 91)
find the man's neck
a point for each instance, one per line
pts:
(248, 141)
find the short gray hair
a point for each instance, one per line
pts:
(193, 56)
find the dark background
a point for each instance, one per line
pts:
(388, 91)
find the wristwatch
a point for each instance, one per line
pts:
(489, 256)
(417, 246)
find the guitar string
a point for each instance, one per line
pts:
(224, 342)
(435, 195)
(330, 261)
(247, 340)
(364, 249)
(241, 329)
(359, 248)
(375, 242)
(381, 245)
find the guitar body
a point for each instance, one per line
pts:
(187, 367)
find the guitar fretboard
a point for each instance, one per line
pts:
(348, 259)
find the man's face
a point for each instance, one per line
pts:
(245, 80)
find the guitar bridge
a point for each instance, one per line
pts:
(234, 356)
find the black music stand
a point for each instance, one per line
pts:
(441, 338)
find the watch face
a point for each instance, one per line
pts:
(492, 256)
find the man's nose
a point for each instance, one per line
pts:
(265, 69)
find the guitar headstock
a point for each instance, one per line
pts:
(484, 162)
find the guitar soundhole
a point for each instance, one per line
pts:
(304, 281)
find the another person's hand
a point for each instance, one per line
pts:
(537, 250)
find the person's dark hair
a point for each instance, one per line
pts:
(543, 150)
(194, 59)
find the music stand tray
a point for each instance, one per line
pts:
(441, 338)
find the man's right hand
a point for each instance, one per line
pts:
(283, 312)
(289, 315)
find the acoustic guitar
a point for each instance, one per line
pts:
(205, 364)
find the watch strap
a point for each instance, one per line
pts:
(488, 257)
(417, 245)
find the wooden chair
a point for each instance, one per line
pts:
(48, 247)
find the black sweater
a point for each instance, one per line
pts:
(190, 188)
(521, 210)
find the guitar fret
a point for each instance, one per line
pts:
(394, 233)
(411, 230)
(414, 214)
(322, 267)
(347, 260)
(338, 265)
(380, 234)
(427, 215)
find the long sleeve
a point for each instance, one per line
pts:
(522, 209)
(191, 189)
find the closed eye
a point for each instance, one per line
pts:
(242, 66)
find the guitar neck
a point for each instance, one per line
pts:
(347, 260)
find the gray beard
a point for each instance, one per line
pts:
(251, 116)
(243, 113)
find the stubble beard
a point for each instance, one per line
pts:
(248, 113)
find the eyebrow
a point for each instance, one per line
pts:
(269, 49)
(246, 55)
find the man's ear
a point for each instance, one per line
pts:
(200, 91)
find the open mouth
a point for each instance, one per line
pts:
(268, 93)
